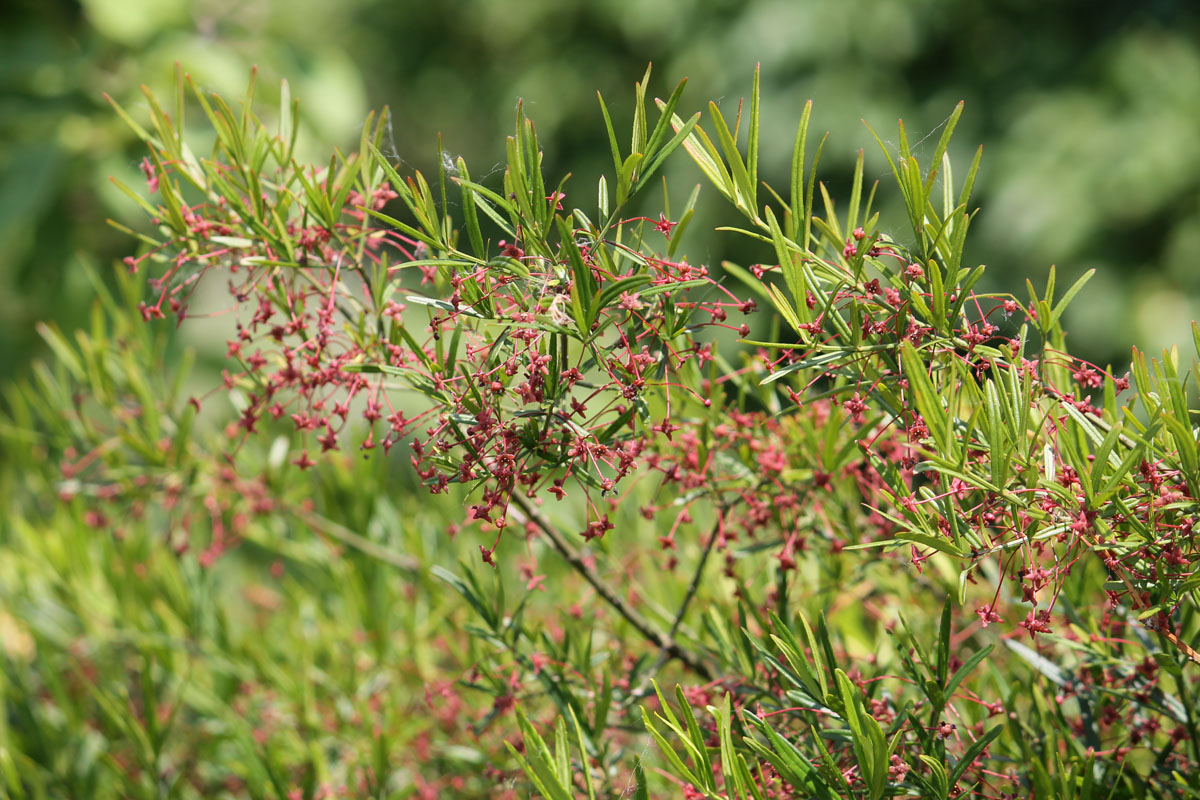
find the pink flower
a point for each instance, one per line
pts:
(856, 406)
(630, 302)
(987, 614)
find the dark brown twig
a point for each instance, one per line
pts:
(665, 642)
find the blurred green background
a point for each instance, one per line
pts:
(1089, 114)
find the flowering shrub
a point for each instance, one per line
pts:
(938, 556)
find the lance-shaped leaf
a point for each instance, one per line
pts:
(925, 396)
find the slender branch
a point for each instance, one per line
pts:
(693, 587)
(348, 537)
(664, 642)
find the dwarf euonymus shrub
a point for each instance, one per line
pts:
(938, 555)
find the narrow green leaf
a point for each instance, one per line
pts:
(612, 135)
(697, 737)
(943, 652)
(638, 142)
(971, 753)
(940, 781)
(965, 670)
(969, 183)
(562, 752)
(752, 135)
(659, 134)
(641, 790)
(808, 195)
(702, 151)
(648, 172)
(1061, 306)
(797, 187)
(855, 195)
(942, 144)
(470, 217)
(680, 769)
(927, 399)
(625, 178)
(787, 643)
(745, 196)
(787, 256)
(584, 745)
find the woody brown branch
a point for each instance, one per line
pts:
(664, 642)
